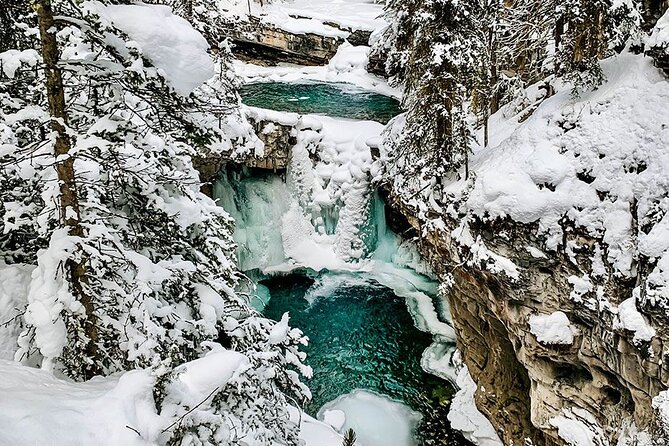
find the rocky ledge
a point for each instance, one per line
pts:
(598, 378)
(265, 44)
(262, 43)
(278, 139)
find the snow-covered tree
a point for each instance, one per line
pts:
(431, 53)
(460, 59)
(204, 15)
(587, 31)
(134, 266)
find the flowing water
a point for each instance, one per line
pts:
(369, 316)
(361, 336)
(342, 100)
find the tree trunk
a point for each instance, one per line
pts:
(69, 203)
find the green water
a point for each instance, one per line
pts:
(361, 337)
(341, 100)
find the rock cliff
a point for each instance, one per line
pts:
(266, 44)
(601, 381)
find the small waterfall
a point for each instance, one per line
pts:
(277, 230)
(321, 215)
(324, 215)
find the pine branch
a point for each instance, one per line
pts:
(350, 438)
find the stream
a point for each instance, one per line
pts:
(371, 312)
(331, 99)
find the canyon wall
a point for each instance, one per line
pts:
(266, 44)
(601, 381)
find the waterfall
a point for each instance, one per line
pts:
(323, 214)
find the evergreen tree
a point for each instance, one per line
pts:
(586, 32)
(350, 438)
(431, 54)
(459, 62)
(134, 266)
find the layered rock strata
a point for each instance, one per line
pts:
(603, 380)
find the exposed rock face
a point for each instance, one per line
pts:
(210, 165)
(278, 140)
(522, 383)
(266, 44)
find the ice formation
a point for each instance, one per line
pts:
(376, 419)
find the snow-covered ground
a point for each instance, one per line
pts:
(37, 408)
(375, 418)
(312, 16)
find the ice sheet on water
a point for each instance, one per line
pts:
(376, 419)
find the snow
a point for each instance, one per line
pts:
(169, 41)
(659, 38)
(661, 408)
(554, 328)
(630, 435)
(335, 418)
(11, 60)
(316, 433)
(465, 416)
(207, 375)
(48, 295)
(280, 330)
(531, 172)
(376, 419)
(481, 255)
(577, 427)
(439, 359)
(312, 16)
(38, 408)
(536, 253)
(573, 432)
(14, 282)
(580, 286)
(630, 319)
